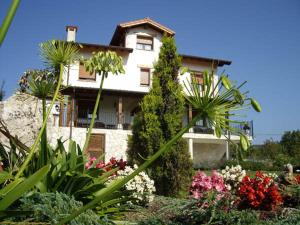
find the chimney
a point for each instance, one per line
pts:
(71, 33)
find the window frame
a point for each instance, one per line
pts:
(85, 77)
(149, 76)
(144, 44)
(194, 75)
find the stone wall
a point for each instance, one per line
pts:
(23, 116)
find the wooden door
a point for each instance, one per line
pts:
(96, 145)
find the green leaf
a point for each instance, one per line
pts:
(72, 150)
(23, 187)
(245, 144)
(218, 132)
(5, 176)
(10, 186)
(226, 82)
(256, 106)
(238, 97)
(184, 70)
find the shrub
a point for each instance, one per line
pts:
(202, 183)
(160, 118)
(259, 193)
(52, 207)
(252, 165)
(291, 195)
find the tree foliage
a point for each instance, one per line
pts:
(291, 142)
(158, 121)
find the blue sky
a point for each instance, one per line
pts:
(262, 38)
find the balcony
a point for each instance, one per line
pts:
(246, 128)
(106, 120)
(203, 130)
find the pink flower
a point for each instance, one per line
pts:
(100, 165)
(202, 183)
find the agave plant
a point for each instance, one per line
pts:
(56, 55)
(215, 102)
(102, 63)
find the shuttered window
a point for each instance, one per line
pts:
(96, 145)
(83, 74)
(198, 78)
(145, 77)
(144, 43)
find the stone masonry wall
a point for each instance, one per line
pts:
(23, 116)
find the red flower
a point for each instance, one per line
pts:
(259, 193)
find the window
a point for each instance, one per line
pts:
(198, 79)
(144, 43)
(145, 77)
(85, 75)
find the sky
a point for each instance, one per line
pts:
(260, 37)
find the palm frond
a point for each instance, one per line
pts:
(56, 53)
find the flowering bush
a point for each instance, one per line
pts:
(297, 179)
(273, 176)
(202, 183)
(141, 186)
(233, 176)
(113, 163)
(259, 192)
(36, 76)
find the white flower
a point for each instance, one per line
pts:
(141, 186)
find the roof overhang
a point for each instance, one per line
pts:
(98, 47)
(121, 28)
(216, 62)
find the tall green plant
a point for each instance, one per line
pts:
(217, 108)
(57, 55)
(160, 118)
(40, 84)
(2, 92)
(8, 19)
(102, 63)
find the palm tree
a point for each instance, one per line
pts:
(56, 55)
(217, 103)
(101, 63)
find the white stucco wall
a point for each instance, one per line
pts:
(208, 155)
(130, 81)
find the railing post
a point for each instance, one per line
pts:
(120, 110)
(190, 117)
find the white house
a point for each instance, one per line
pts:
(138, 43)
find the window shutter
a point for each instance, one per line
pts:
(96, 145)
(145, 77)
(83, 74)
(144, 40)
(198, 78)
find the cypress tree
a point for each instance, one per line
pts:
(160, 118)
